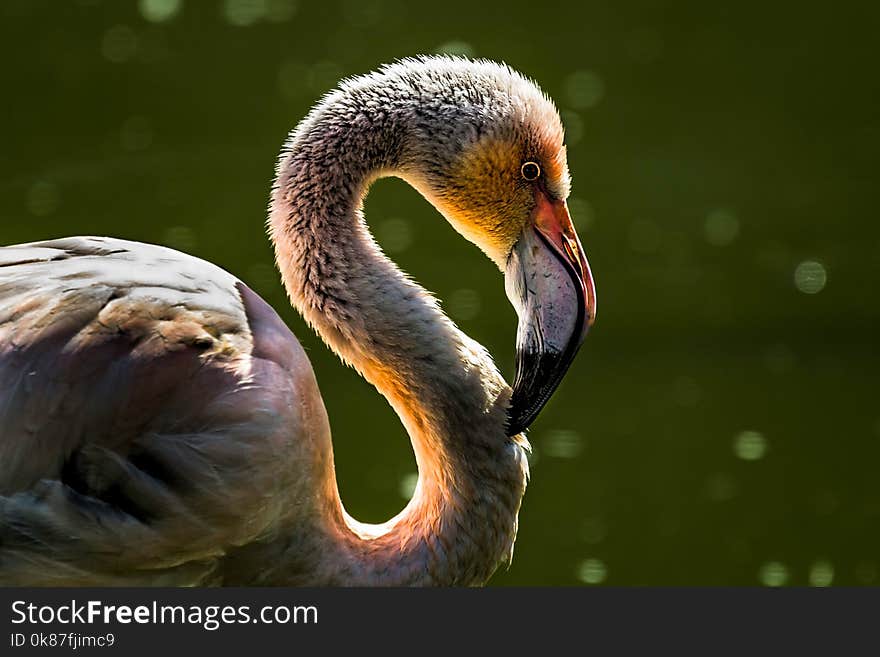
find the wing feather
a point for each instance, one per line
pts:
(141, 433)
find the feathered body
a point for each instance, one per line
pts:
(159, 424)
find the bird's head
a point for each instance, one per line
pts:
(489, 154)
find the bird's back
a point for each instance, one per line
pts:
(151, 414)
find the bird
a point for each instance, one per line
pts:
(160, 425)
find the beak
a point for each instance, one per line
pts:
(548, 281)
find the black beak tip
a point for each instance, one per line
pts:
(525, 406)
(538, 377)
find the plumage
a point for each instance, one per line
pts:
(140, 415)
(159, 423)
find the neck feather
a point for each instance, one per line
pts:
(461, 522)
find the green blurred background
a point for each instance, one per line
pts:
(721, 424)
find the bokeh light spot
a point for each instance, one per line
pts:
(455, 47)
(644, 236)
(464, 304)
(182, 238)
(810, 277)
(395, 235)
(584, 89)
(721, 487)
(773, 573)
(362, 13)
(323, 76)
(562, 444)
(582, 213)
(408, 483)
(594, 531)
(292, 79)
(243, 13)
(821, 573)
(42, 198)
(574, 126)
(279, 11)
(158, 11)
(750, 446)
(721, 227)
(119, 44)
(592, 571)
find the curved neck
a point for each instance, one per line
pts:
(461, 521)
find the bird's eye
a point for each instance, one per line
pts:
(530, 170)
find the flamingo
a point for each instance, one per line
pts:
(161, 425)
